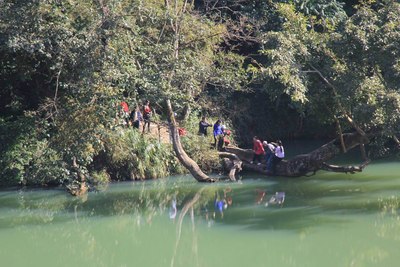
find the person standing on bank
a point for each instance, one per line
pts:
(258, 150)
(203, 126)
(217, 131)
(146, 116)
(136, 117)
(279, 155)
(124, 113)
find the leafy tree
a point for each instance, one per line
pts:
(67, 65)
(338, 74)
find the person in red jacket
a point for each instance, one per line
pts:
(258, 150)
(124, 112)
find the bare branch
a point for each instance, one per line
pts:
(163, 28)
(339, 128)
(201, 38)
(342, 109)
(396, 140)
(345, 169)
(363, 153)
(57, 85)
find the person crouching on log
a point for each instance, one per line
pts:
(258, 150)
(269, 153)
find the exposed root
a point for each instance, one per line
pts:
(235, 164)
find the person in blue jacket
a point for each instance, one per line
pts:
(217, 131)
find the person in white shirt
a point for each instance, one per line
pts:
(279, 155)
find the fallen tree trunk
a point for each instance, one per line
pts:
(305, 164)
(186, 161)
(301, 165)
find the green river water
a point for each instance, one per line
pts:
(328, 219)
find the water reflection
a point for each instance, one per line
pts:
(173, 210)
(301, 203)
(222, 203)
(276, 199)
(236, 204)
(185, 222)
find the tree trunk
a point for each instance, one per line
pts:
(185, 160)
(186, 112)
(79, 188)
(307, 163)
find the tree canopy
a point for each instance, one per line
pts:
(305, 67)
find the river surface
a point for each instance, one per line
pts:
(325, 220)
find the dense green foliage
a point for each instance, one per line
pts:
(273, 68)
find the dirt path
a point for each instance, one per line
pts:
(158, 132)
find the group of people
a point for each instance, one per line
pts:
(137, 116)
(273, 153)
(220, 133)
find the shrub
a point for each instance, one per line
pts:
(130, 155)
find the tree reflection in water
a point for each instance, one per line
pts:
(127, 207)
(201, 199)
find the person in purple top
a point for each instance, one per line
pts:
(217, 131)
(221, 204)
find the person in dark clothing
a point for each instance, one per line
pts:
(146, 116)
(136, 117)
(269, 153)
(203, 126)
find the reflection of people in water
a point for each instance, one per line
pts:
(222, 204)
(173, 210)
(209, 218)
(278, 199)
(260, 194)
